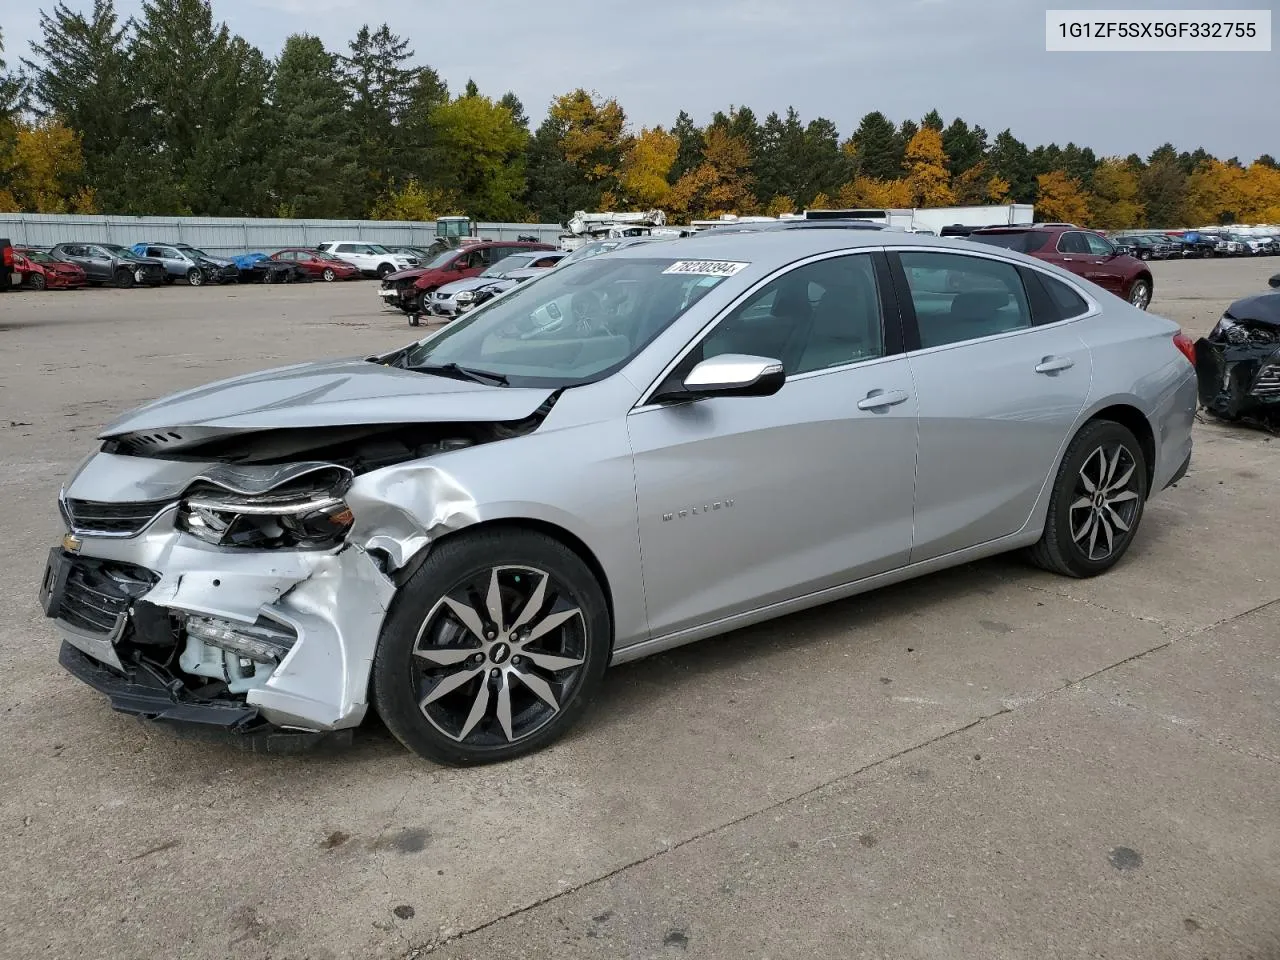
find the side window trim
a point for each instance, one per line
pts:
(890, 318)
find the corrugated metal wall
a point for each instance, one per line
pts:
(232, 235)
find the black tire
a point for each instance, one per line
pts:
(385, 270)
(421, 303)
(1058, 550)
(195, 277)
(36, 281)
(1144, 254)
(414, 320)
(328, 275)
(402, 680)
(124, 278)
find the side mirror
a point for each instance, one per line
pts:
(732, 375)
(1275, 281)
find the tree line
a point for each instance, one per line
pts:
(172, 114)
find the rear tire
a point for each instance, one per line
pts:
(124, 278)
(1087, 531)
(1139, 294)
(492, 649)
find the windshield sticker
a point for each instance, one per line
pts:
(707, 268)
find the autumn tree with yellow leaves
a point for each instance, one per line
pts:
(1061, 198)
(645, 166)
(42, 173)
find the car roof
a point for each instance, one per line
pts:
(781, 244)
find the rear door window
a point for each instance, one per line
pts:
(1073, 241)
(958, 297)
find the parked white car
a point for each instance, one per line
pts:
(371, 259)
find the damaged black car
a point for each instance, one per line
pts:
(1238, 363)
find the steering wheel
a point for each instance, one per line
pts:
(588, 309)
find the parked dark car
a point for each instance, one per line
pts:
(1085, 253)
(1238, 363)
(111, 263)
(39, 270)
(259, 268)
(6, 263)
(187, 264)
(318, 265)
(410, 290)
(1149, 246)
(1197, 244)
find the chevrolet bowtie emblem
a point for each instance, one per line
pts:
(71, 543)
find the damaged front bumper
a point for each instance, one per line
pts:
(1240, 379)
(180, 630)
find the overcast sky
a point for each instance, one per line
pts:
(983, 60)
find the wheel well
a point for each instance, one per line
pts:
(1136, 423)
(1151, 284)
(557, 533)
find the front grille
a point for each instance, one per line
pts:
(98, 592)
(113, 519)
(1268, 382)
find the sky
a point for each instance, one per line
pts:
(983, 60)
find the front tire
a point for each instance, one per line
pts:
(328, 275)
(492, 649)
(124, 278)
(1097, 502)
(195, 277)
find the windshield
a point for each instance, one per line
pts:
(196, 252)
(571, 327)
(378, 248)
(507, 264)
(443, 259)
(1021, 241)
(123, 253)
(37, 256)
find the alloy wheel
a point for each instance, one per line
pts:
(1140, 295)
(1106, 501)
(498, 655)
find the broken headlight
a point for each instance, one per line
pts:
(307, 521)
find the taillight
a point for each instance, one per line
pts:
(8, 256)
(1186, 346)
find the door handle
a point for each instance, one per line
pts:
(1054, 364)
(1068, 258)
(879, 399)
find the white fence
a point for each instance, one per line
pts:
(232, 235)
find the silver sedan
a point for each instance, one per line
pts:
(633, 452)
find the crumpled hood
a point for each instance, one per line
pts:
(1262, 308)
(331, 393)
(413, 273)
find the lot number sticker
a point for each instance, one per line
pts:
(707, 268)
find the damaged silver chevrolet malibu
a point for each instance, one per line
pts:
(634, 452)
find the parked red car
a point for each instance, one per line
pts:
(411, 290)
(319, 265)
(42, 271)
(1085, 253)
